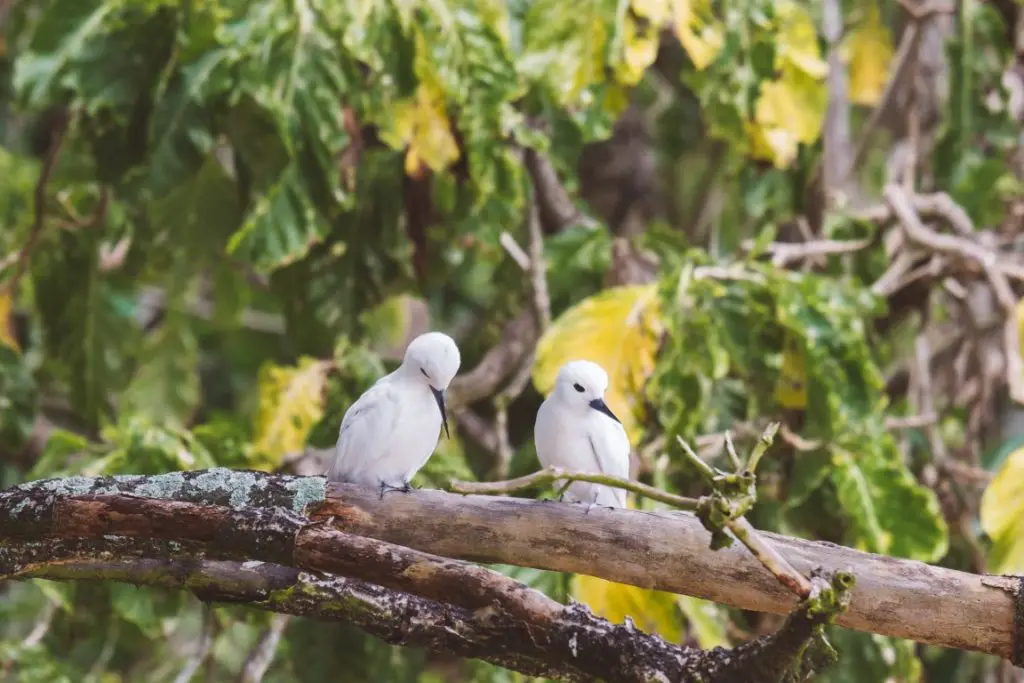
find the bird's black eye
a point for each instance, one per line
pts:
(578, 387)
(424, 373)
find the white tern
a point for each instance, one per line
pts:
(391, 431)
(577, 431)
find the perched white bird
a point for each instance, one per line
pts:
(391, 431)
(576, 430)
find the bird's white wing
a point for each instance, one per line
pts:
(610, 446)
(365, 431)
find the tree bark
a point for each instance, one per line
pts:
(270, 557)
(266, 517)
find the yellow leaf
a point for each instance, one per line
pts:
(789, 111)
(641, 30)
(651, 611)
(421, 125)
(1002, 516)
(6, 327)
(791, 389)
(796, 41)
(290, 404)
(619, 330)
(869, 49)
(640, 47)
(700, 35)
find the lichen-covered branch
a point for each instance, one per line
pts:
(279, 536)
(665, 550)
(573, 646)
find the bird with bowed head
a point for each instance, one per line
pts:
(391, 431)
(575, 430)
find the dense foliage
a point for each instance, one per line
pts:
(222, 221)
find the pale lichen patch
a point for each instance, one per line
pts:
(307, 490)
(70, 486)
(165, 486)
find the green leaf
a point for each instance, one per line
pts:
(871, 658)
(135, 605)
(165, 387)
(18, 399)
(202, 211)
(181, 134)
(565, 47)
(281, 227)
(66, 27)
(139, 446)
(292, 78)
(59, 448)
(84, 338)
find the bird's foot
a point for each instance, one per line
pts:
(388, 488)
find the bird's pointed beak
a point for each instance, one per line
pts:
(439, 397)
(600, 406)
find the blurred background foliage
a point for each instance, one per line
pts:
(222, 221)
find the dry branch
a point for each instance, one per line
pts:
(258, 516)
(238, 537)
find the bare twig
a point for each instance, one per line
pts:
(514, 250)
(203, 647)
(910, 421)
(262, 654)
(740, 528)
(39, 202)
(899, 66)
(768, 556)
(995, 270)
(923, 375)
(42, 626)
(553, 475)
(552, 198)
(786, 253)
(538, 269)
(517, 339)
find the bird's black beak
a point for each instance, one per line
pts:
(439, 397)
(600, 406)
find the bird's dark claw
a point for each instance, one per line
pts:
(388, 488)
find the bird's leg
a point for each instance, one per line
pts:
(388, 488)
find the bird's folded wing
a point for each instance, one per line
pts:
(610, 446)
(367, 427)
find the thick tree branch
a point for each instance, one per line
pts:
(573, 646)
(652, 549)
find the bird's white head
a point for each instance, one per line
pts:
(434, 357)
(581, 385)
